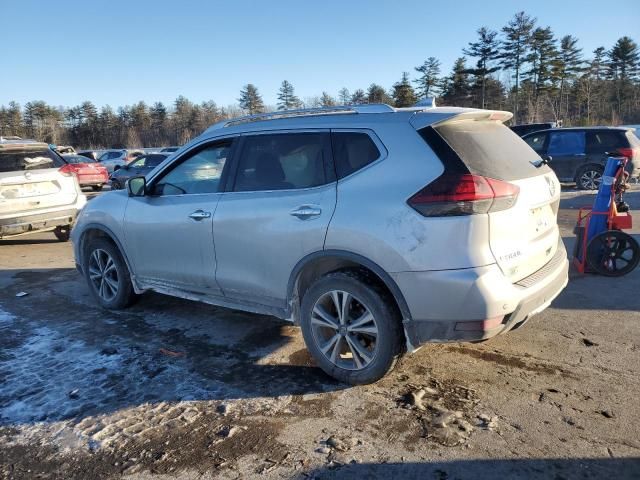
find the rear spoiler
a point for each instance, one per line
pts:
(437, 117)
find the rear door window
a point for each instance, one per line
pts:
(16, 160)
(566, 143)
(282, 162)
(484, 148)
(605, 141)
(352, 151)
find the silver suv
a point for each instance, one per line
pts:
(375, 229)
(38, 190)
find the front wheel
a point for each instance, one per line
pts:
(589, 177)
(351, 328)
(107, 275)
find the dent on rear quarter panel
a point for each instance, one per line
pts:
(373, 219)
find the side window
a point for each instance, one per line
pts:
(352, 151)
(281, 162)
(566, 143)
(199, 172)
(603, 141)
(154, 160)
(139, 163)
(537, 141)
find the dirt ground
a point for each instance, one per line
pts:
(176, 389)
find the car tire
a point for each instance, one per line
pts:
(96, 188)
(115, 185)
(358, 356)
(107, 275)
(63, 233)
(589, 177)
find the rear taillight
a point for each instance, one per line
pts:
(67, 170)
(464, 194)
(625, 152)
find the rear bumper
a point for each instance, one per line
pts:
(440, 302)
(37, 222)
(93, 179)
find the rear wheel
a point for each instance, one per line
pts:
(613, 253)
(589, 177)
(63, 233)
(96, 188)
(351, 328)
(107, 275)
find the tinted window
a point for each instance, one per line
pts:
(603, 141)
(536, 141)
(154, 160)
(352, 151)
(199, 173)
(566, 143)
(280, 162)
(28, 159)
(484, 148)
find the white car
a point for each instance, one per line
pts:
(38, 190)
(114, 159)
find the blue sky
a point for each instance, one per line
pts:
(121, 51)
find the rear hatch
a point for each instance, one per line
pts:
(524, 237)
(30, 180)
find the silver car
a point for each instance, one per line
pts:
(375, 229)
(38, 190)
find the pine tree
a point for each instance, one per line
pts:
(598, 66)
(403, 94)
(456, 87)
(486, 51)
(286, 97)
(327, 100)
(344, 96)
(429, 78)
(358, 97)
(568, 64)
(542, 59)
(250, 100)
(623, 67)
(377, 94)
(515, 48)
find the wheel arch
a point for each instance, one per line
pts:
(96, 230)
(317, 264)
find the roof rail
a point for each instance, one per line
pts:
(347, 109)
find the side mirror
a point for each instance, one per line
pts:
(137, 186)
(546, 159)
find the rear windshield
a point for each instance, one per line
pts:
(78, 159)
(17, 160)
(492, 150)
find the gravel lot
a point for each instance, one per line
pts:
(176, 389)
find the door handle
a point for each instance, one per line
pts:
(199, 215)
(306, 211)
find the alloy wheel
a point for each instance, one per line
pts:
(591, 180)
(104, 274)
(344, 330)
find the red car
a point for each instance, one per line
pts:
(89, 172)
